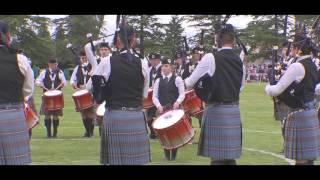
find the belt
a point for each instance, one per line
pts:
(11, 105)
(224, 103)
(125, 108)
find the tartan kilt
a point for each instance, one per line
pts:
(281, 111)
(14, 137)
(124, 138)
(50, 113)
(221, 132)
(302, 135)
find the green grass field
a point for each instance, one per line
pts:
(262, 140)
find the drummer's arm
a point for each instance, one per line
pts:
(40, 78)
(63, 80)
(180, 85)
(73, 79)
(145, 73)
(206, 65)
(155, 94)
(90, 54)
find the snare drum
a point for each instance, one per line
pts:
(82, 99)
(31, 117)
(147, 103)
(53, 100)
(174, 129)
(192, 104)
(100, 113)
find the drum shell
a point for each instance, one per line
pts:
(177, 135)
(83, 101)
(148, 103)
(31, 117)
(53, 103)
(192, 104)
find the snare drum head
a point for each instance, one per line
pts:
(101, 109)
(53, 93)
(168, 119)
(80, 92)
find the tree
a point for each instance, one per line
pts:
(173, 36)
(149, 31)
(207, 23)
(73, 29)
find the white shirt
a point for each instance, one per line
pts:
(73, 79)
(295, 73)
(26, 71)
(104, 69)
(179, 84)
(207, 65)
(40, 78)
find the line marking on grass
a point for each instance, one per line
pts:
(267, 132)
(291, 162)
(64, 139)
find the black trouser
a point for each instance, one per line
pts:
(88, 121)
(55, 122)
(89, 126)
(171, 154)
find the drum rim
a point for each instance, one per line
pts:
(77, 95)
(50, 91)
(168, 127)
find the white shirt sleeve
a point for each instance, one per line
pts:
(90, 54)
(25, 69)
(62, 78)
(206, 65)
(73, 79)
(181, 89)
(145, 73)
(155, 94)
(243, 78)
(40, 78)
(295, 73)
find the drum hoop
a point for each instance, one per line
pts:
(46, 93)
(79, 95)
(169, 127)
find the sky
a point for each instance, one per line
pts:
(238, 22)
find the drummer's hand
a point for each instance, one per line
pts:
(160, 109)
(74, 86)
(176, 105)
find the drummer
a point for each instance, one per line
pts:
(168, 93)
(50, 79)
(80, 76)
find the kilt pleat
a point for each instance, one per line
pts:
(221, 132)
(124, 139)
(302, 135)
(14, 138)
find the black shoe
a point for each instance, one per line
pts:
(174, 154)
(47, 123)
(167, 154)
(86, 134)
(153, 136)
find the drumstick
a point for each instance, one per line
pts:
(45, 88)
(59, 86)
